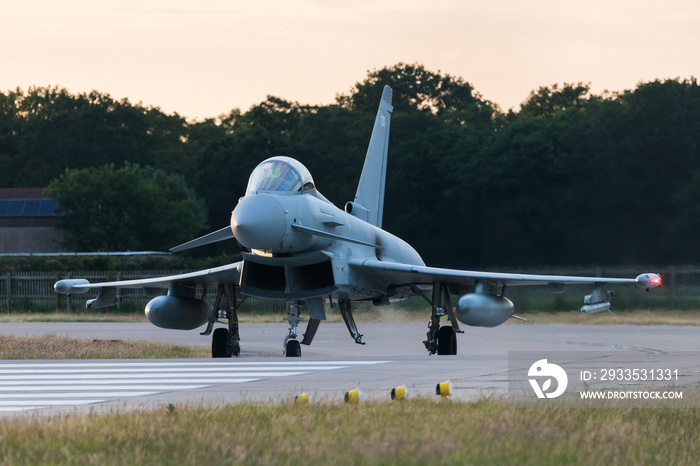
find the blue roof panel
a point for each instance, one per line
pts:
(48, 208)
(28, 208)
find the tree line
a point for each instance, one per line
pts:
(569, 178)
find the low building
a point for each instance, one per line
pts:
(27, 222)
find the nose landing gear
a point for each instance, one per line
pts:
(291, 346)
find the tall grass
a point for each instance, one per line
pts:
(413, 432)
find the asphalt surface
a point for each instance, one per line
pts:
(394, 355)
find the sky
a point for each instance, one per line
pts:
(204, 58)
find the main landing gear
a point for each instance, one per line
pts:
(225, 342)
(441, 340)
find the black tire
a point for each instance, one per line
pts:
(219, 344)
(293, 349)
(447, 341)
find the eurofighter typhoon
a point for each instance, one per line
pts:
(304, 250)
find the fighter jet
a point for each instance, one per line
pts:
(304, 250)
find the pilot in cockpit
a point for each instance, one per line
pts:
(280, 174)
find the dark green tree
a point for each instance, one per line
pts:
(46, 130)
(569, 178)
(128, 208)
(414, 88)
(547, 101)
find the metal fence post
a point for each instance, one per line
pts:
(8, 290)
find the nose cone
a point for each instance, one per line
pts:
(259, 221)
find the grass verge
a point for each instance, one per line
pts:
(605, 318)
(72, 317)
(53, 347)
(412, 432)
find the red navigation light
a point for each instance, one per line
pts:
(649, 280)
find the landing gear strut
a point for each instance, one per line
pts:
(441, 340)
(292, 348)
(225, 342)
(346, 312)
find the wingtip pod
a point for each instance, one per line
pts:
(649, 280)
(69, 286)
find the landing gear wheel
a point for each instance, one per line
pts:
(219, 344)
(293, 349)
(446, 341)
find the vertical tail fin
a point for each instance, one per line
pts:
(370, 190)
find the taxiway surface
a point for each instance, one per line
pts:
(394, 355)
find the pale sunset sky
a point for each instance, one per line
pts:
(203, 58)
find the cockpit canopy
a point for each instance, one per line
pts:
(280, 174)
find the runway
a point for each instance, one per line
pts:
(32, 385)
(394, 355)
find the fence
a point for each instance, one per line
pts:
(33, 291)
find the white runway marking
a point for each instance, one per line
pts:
(152, 370)
(221, 362)
(27, 386)
(10, 405)
(15, 396)
(57, 388)
(55, 384)
(156, 376)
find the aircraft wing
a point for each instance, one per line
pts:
(403, 274)
(203, 278)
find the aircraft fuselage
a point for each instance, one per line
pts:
(301, 243)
